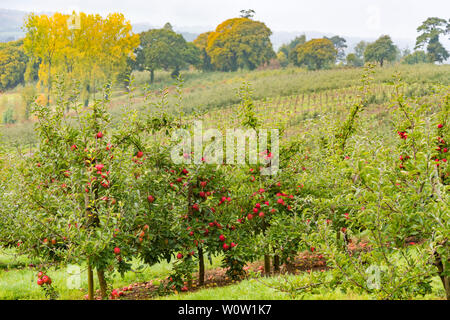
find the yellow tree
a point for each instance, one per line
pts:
(201, 42)
(103, 46)
(45, 39)
(13, 62)
(240, 43)
(315, 54)
(94, 51)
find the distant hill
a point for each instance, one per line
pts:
(11, 22)
(188, 33)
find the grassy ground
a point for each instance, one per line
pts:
(18, 281)
(205, 92)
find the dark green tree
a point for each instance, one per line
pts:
(162, 49)
(430, 30)
(340, 44)
(193, 55)
(416, 57)
(353, 61)
(247, 13)
(382, 50)
(168, 26)
(360, 48)
(288, 48)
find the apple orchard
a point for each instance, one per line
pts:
(99, 191)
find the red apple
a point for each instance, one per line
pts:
(45, 279)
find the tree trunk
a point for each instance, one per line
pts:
(88, 94)
(102, 283)
(276, 263)
(49, 84)
(90, 281)
(201, 267)
(445, 279)
(267, 265)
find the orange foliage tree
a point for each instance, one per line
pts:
(239, 43)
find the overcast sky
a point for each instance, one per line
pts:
(360, 18)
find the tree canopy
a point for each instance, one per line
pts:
(13, 62)
(315, 54)
(288, 49)
(94, 51)
(340, 45)
(240, 43)
(383, 49)
(165, 49)
(430, 30)
(201, 42)
(418, 56)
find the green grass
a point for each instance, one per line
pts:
(9, 259)
(18, 281)
(253, 289)
(18, 284)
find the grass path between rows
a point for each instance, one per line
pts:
(18, 282)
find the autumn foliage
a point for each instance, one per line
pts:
(239, 43)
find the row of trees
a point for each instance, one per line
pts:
(100, 193)
(93, 49)
(86, 47)
(105, 48)
(320, 53)
(236, 43)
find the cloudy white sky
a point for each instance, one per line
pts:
(360, 18)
